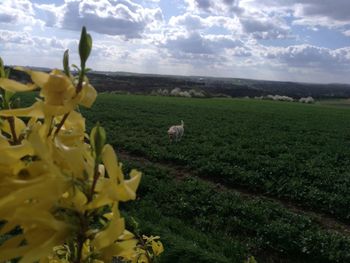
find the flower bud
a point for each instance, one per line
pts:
(66, 63)
(97, 140)
(85, 45)
(2, 69)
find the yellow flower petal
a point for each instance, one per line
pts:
(42, 234)
(88, 95)
(12, 242)
(75, 121)
(3, 141)
(134, 181)
(157, 247)
(70, 157)
(99, 201)
(57, 89)
(126, 235)
(124, 249)
(7, 227)
(13, 153)
(110, 161)
(14, 86)
(79, 200)
(123, 193)
(36, 110)
(19, 126)
(38, 77)
(108, 236)
(54, 110)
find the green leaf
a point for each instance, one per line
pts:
(85, 46)
(16, 103)
(76, 67)
(66, 63)
(8, 95)
(87, 70)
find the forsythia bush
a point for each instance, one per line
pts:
(60, 186)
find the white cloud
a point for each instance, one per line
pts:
(312, 57)
(111, 17)
(208, 37)
(26, 49)
(346, 33)
(24, 42)
(192, 22)
(242, 18)
(189, 21)
(214, 6)
(305, 12)
(263, 26)
(337, 10)
(18, 12)
(196, 44)
(15, 37)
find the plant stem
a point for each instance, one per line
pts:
(61, 123)
(81, 237)
(81, 79)
(11, 121)
(51, 127)
(80, 249)
(94, 182)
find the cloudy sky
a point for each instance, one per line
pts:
(295, 40)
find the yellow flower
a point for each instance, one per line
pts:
(142, 259)
(74, 199)
(124, 189)
(114, 188)
(53, 183)
(11, 155)
(57, 90)
(114, 229)
(30, 186)
(157, 247)
(41, 231)
(115, 241)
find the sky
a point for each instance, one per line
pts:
(288, 40)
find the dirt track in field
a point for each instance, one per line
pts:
(179, 172)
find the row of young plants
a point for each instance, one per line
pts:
(200, 223)
(291, 151)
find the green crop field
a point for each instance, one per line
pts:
(262, 178)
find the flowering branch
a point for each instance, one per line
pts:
(69, 181)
